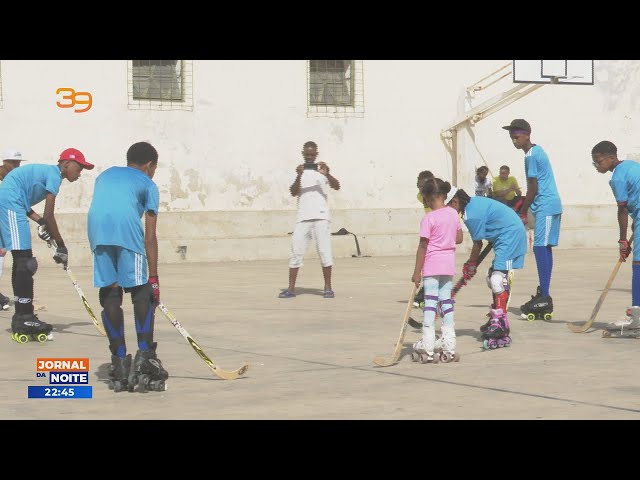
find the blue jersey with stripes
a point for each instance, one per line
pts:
(625, 184)
(488, 219)
(28, 185)
(537, 165)
(120, 197)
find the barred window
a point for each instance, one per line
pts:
(161, 84)
(335, 88)
(331, 82)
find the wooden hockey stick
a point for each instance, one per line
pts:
(388, 361)
(224, 374)
(574, 327)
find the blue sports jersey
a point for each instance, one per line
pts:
(28, 185)
(488, 219)
(120, 197)
(625, 184)
(537, 165)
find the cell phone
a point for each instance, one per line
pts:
(310, 166)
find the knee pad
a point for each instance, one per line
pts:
(498, 282)
(27, 264)
(110, 296)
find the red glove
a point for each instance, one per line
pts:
(625, 249)
(524, 218)
(155, 287)
(469, 270)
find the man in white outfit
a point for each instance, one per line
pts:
(311, 186)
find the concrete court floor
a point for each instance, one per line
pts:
(311, 358)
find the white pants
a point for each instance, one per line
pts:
(319, 230)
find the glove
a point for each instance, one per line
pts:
(524, 218)
(625, 249)
(61, 255)
(155, 287)
(43, 232)
(469, 270)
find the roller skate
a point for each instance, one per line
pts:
(626, 327)
(424, 349)
(496, 335)
(4, 302)
(418, 300)
(147, 372)
(447, 344)
(119, 371)
(525, 307)
(26, 326)
(540, 309)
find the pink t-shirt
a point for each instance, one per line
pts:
(440, 227)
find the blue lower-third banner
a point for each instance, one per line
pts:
(47, 391)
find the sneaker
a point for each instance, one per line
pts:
(328, 294)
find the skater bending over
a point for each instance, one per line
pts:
(543, 200)
(440, 231)
(490, 220)
(22, 189)
(625, 184)
(125, 260)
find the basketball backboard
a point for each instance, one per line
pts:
(570, 72)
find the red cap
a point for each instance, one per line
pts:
(76, 156)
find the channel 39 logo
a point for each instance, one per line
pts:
(68, 378)
(72, 98)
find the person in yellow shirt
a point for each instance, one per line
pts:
(505, 187)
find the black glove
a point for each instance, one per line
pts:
(61, 255)
(43, 232)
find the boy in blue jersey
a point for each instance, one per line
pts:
(125, 259)
(23, 188)
(543, 200)
(625, 184)
(488, 219)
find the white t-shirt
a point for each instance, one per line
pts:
(313, 198)
(482, 188)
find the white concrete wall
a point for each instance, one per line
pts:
(225, 167)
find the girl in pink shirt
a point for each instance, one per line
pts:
(440, 231)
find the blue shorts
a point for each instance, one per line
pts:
(546, 230)
(506, 264)
(14, 230)
(113, 264)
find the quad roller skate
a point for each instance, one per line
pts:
(420, 354)
(119, 372)
(445, 345)
(540, 308)
(147, 372)
(496, 335)
(26, 326)
(626, 327)
(525, 307)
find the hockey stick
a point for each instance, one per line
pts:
(575, 328)
(52, 244)
(224, 374)
(384, 361)
(459, 284)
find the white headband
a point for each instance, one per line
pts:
(450, 195)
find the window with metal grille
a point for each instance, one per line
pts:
(331, 82)
(161, 84)
(335, 88)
